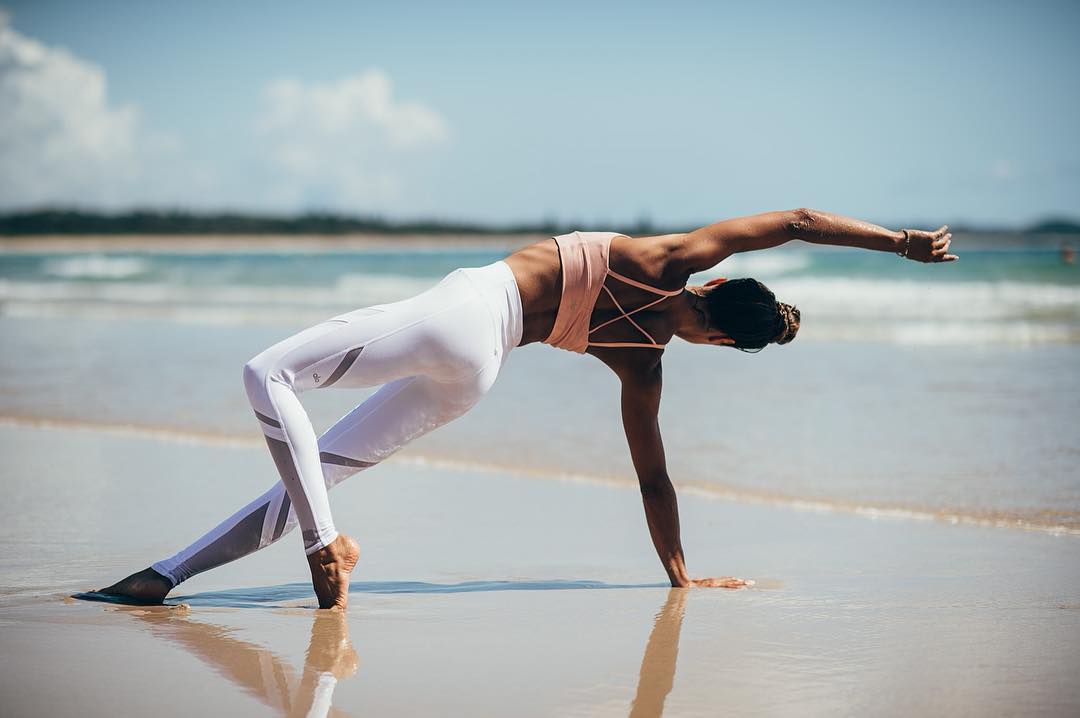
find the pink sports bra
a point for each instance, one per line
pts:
(584, 257)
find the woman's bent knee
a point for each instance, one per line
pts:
(257, 373)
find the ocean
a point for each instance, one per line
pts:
(913, 392)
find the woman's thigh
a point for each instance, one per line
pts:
(445, 333)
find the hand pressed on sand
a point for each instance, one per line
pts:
(722, 582)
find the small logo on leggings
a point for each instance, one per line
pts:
(315, 377)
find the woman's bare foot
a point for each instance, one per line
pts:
(146, 586)
(330, 569)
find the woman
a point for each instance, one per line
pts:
(609, 295)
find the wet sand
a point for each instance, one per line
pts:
(486, 594)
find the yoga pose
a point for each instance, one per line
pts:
(618, 298)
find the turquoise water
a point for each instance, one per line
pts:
(913, 391)
(989, 296)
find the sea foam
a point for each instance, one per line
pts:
(96, 266)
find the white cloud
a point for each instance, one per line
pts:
(341, 143)
(348, 144)
(60, 139)
(1002, 171)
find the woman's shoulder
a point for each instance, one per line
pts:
(655, 259)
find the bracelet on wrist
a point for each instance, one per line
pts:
(907, 244)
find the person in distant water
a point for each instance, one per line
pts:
(1068, 254)
(619, 298)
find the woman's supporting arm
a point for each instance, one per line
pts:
(706, 247)
(640, 406)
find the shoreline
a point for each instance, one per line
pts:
(987, 519)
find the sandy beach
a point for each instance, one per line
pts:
(483, 595)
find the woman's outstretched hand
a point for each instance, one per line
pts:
(721, 582)
(930, 246)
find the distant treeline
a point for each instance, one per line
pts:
(75, 222)
(61, 221)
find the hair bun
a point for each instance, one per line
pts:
(790, 316)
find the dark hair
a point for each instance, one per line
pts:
(746, 311)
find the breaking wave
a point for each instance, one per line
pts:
(833, 308)
(96, 266)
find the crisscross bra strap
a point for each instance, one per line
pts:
(664, 294)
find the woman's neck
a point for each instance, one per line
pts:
(690, 314)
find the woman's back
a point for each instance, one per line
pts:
(649, 261)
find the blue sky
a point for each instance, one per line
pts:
(582, 112)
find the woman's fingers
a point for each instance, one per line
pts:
(931, 247)
(722, 582)
(939, 249)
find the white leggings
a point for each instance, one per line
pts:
(435, 354)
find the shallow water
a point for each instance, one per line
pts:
(979, 435)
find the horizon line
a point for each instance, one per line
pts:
(67, 219)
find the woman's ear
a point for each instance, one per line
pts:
(714, 282)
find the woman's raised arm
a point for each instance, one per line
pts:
(706, 247)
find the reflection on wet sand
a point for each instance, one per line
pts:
(331, 657)
(657, 674)
(257, 670)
